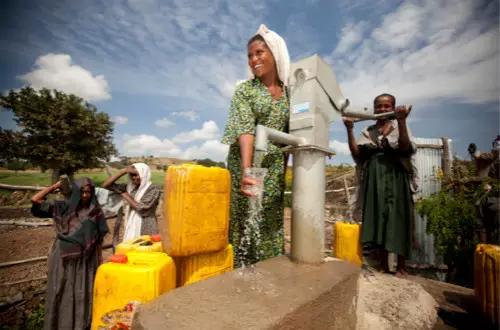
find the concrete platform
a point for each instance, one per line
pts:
(274, 294)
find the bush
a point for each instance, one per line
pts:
(452, 219)
(18, 165)
(35, 320)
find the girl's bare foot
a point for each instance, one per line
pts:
(401, 273)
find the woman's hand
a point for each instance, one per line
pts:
(39, 196)
(348, 122)
(131, 170)
(56, 185)
(245, 183)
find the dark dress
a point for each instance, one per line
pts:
(385, 191)
(73, 261)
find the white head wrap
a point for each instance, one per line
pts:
(280, 53)
(133, 220)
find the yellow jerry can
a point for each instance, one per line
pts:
(346, 244)
(487, 280)
(128, 280)
(202, 266)
(196, 210)
(145, 243)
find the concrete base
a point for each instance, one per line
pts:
(274, 294)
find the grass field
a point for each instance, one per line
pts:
(36, 178)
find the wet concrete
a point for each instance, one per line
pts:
(274, 294)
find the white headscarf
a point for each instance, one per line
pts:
(280, 52)
(133, 220)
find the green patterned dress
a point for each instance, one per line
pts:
(252, 104)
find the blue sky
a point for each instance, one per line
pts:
(165, 70)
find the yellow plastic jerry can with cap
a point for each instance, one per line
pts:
(202, 266)
(145, 243)
(126, 281)
(346, 242)
(196, 210)
(487, 280)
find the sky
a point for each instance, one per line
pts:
(165, 71)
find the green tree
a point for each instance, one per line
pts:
(12, 145)
(208, 162)
(61, 132)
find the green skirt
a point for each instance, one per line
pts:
(388, 205)
(255, 241)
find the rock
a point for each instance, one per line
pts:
(388, 302)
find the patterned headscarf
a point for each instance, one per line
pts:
(91, 230)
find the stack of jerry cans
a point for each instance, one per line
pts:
(202, 266)
(346, 242)
(196, 221)
(145, 243)
(487, 280)
(136, 277)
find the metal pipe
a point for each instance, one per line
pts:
(265, 134)
(362, 116)
(308, 206)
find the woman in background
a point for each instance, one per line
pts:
(141, 198)
(75, 254)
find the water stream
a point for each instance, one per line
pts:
(250, 242)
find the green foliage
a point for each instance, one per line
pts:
(35, 320)
(17, 165)
(12, 145)
(43, 179)
(58, 131)
(208, 162)
(452, 219)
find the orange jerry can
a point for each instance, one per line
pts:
(346, 242)
(196, 210)
(487, 280)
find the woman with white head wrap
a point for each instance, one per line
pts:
(141, 198)
(262, 99)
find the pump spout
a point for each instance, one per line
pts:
(265, 134)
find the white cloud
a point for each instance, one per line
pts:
(211, 149)
(191, 115)
(402, 28)
(164, 122)
(179, 50)
(421, 55)
(55, 71)
(209, 131)
(119, 120)
(145, 145)
(351, 35)
(340, 148)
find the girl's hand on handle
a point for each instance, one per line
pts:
(348, 122)
(402, 111)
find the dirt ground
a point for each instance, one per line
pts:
(22, 286)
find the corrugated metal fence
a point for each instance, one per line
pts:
(432, 158)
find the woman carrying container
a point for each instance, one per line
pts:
(386, 181)
(141, 198)
(262, 99)
(75, 254)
